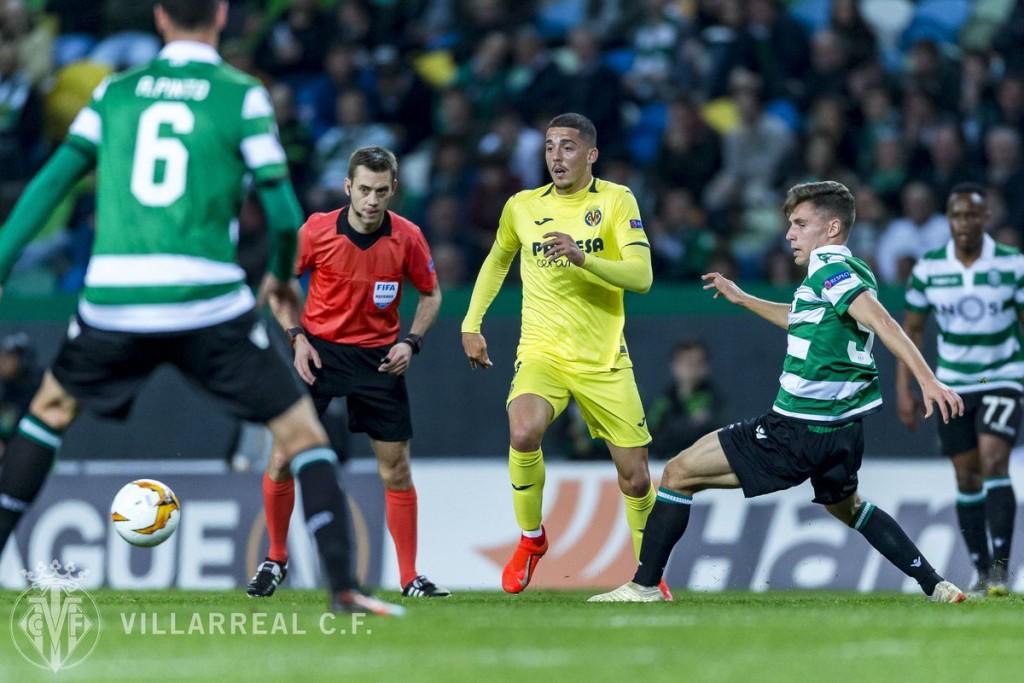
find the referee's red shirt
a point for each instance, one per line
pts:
(356, 280)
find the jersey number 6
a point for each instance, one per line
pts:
(150, 149)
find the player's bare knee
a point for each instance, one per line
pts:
(677, 475)
(969, 481)
(525, 437)
(54, 408)
(635, 484)
(993, 465)
(277, 466)
(396, 476)
(846, 511)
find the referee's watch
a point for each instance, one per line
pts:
(294, 332)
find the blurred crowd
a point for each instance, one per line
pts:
(708, 109)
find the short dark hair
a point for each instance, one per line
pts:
(578, 122)
(190, 14)
(376, 159)
(828, 196)
(690, 344)
(968, 188)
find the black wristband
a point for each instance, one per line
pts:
(415, 342)
(294, 332)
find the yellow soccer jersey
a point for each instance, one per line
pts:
(571, 316)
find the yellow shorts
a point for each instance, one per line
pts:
(609, 401)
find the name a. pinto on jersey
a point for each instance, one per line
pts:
(195, 89)
(384, 293)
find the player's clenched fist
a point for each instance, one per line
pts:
(475, 346)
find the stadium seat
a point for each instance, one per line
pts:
(619, 60)
(814, 14)
(938, 20)
(645, 134)
(787, 112)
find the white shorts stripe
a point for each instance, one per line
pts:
(188, 315)
(811, 417)
(159, 270)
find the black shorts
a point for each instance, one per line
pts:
(996, 412)
(378, 403)
(233, 361)
(772, 453)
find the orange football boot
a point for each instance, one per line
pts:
(518, 571)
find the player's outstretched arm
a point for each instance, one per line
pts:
(488, 283)
(47, 189)
(773, 312)
(908, 406)
(869, 312)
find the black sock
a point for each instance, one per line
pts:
(886, 536)
(326, 510)
(1001, 508)
(27, 462)
(971, 514)
(665, 526)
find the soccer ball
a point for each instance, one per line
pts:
(145, 512)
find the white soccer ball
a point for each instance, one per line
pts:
(145, 512)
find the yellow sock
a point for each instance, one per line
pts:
(526, 470)
(637, 511)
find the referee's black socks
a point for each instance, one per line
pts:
(886, 536)
(23, 471)
(326, 510)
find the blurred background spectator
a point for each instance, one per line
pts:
(690, 407)
(708, 109)
(20, 376)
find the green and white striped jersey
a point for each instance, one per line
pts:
(977, 311)
(173, 141)
(829, 375)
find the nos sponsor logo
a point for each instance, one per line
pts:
(384, 293)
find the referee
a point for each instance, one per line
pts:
(347, 345)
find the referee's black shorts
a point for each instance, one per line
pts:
(378, 403)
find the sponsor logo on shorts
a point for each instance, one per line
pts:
(837, 278)
(384, 293)
(760, 433)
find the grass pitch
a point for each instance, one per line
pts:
(545, 636)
